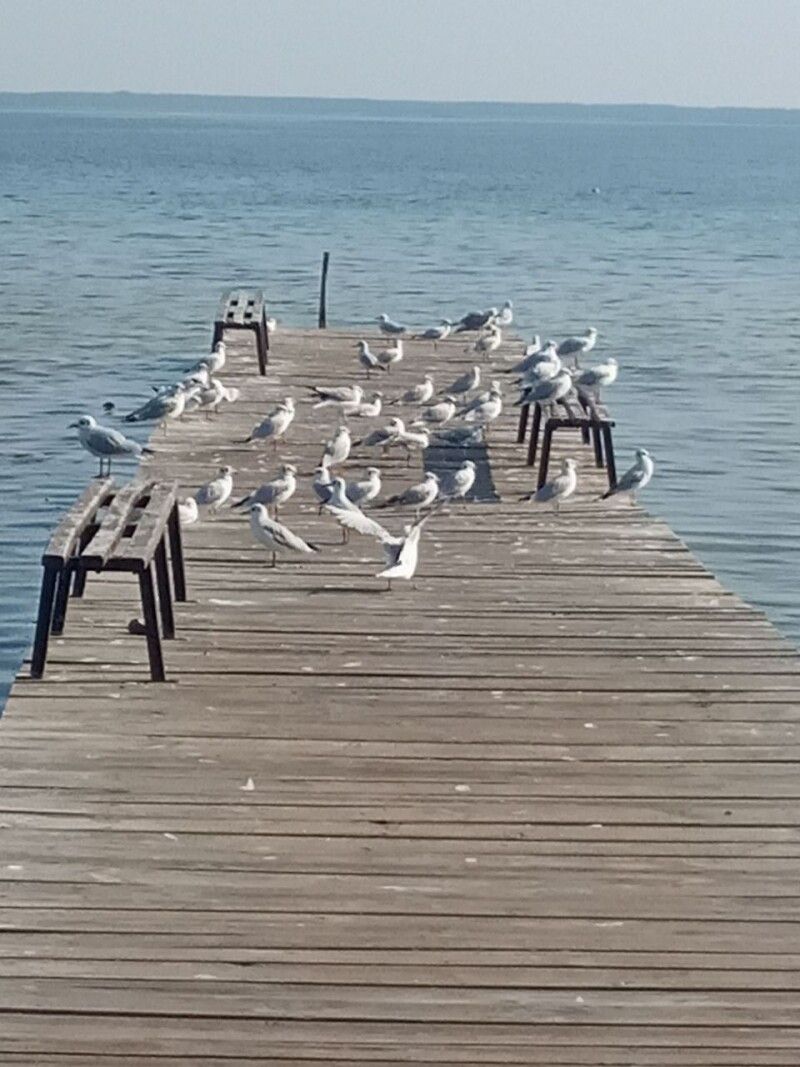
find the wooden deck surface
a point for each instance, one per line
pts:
(538, 807)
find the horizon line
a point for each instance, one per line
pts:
(390, 100)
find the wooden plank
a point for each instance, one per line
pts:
(104, 543)
(62, 543)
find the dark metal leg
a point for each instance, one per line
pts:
(43, 620)
(151, 624)
(598, 445)
(176, 554)
(62, 599)
(79, 583)
(523, 423)
(164, 592)
(217, 335)
(544, 462)
(533, 443)
(262, 344)
(611, 466)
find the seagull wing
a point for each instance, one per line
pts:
(359, 522)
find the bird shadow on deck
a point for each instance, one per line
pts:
(444, 459)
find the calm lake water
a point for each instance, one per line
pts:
(122, 218)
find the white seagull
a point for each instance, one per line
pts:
(417, 496)
(489, 409)
(105, 443)
(489, 341)
(274, 493)
(417, 394)
(436, 333)
(389, 356)
(634, 479)
(557, 489)
(384, 437)
(506, 314)
(162, 407)
(276, 536)
(361, 493)
(367, 359)
(456, 484)
(275, 425)
(439, 414)
(402, 554)
(188, 512)
(548, 391)
(593, 379)
(337, 448)
(215, 493)
(465, 382)
(578, 346)
(390, 327)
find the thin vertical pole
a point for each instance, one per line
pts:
(323, 292)
(44, 619)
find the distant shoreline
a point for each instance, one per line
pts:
(345, 107)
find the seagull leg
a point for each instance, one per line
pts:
(274, 559)
(388, 585)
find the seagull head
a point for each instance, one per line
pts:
(289, 468)
(642, 453)
(383, 317)
(445, 322)
(226, 472)
(431, 476)
(569, 465)
(612, 362)
(508, 304)
(591, 333)
(258, 509)
(85, 422)
(396, 424)
(362, 346)
(373, 472)
(468, 464)
(288, 402)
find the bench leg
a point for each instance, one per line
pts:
(176, 554)
(611, 466)
(534, 438)
(79, 583)
(262, 345)
(151, 624)
(598, 445)
(164, 592)
(43, 621)
(62, 599)
(522, 426)
(544, 462)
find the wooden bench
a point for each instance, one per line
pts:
(111, 529)
(241, 309)
(580, 412)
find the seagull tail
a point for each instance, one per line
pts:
(132, 417)
(148, 451)
(239, 503)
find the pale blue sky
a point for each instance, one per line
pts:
(701, 52)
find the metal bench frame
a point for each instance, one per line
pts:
(242, 309)
(583, 413)
(132, 536)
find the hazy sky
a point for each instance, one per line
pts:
(706, 52)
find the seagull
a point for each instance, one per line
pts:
(276, 492)
(479, 399)
(465, 383)
(162, 407)
(275, 424)
(414, 437)
(549, 391)
(634, 479)
(272, 324)
(213, 494)
(188, 512)
(384, 437)
(578, 346)
(458, 483)
(439, 414)
(339, 504)
(436, 333)
(366, 358)
(489, 410)
(475, 320)
(276, 536)
(105, 443)
(211, 396)
(361, 493)
(533, 354)
(368, 409)
(417, 394)
(213, 363)
(390, 356)
(594, 378)
(338, 394)
(506, 314)
(558, 488)
(547, 364)
(322, 485)
(338, 448)
(402, 554)
(390, 327)
(489, 341)
(416, 496)
(347, 407)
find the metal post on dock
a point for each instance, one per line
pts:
(323, 291)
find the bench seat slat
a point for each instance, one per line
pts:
(150, 528)
(62, 543)
(112, 528)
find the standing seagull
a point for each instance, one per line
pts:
(322, 485)
(475, 320)
(389, 356)
(161, 408)
(416, 496)
(465, 383)
(458, 483)
(275, 424)
(548, 391)
(506, 314)
(417, 394)
(634, 479)
(436, 333)
(276, 492)
(489, 341)
(439, 414)
(214, 362)
(188, 511)
(361, 493)
(338, 448)
(558, 488)
(384, 437)
(402, 554)
(489, 409)
(104, 443)
(578, 346)
(593, 379)
(276, 536)
(214, 494)
(366, 358)
(390, 327)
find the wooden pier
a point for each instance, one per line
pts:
(539, 806)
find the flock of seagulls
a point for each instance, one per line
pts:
(460, 414)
